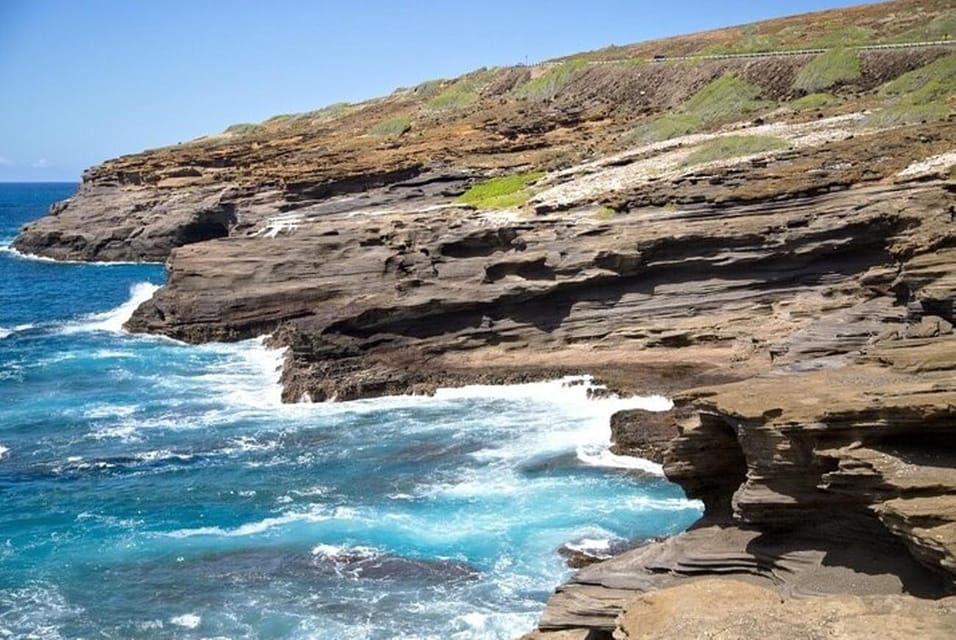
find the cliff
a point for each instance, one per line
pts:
(769, 239)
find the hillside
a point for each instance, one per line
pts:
(769, 239)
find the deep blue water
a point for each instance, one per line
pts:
(150, 489)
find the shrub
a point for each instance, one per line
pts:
(605, 213)
(456, 96)
(841, 36)
(812, 101)
(243, 129)
(930, 83)
(734, 147)
(394, 126)
(665, 128)
(330, 112)
(724, 99)
(551, 82)
(502, 192)
(939, 28)
(837, 66)
(903, 114)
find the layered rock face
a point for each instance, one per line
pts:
(788, 278)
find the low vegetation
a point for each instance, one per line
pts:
(394, 126)
(941, 27)
(930, 83)
(921, 95)
(838, 35)
(903, 114)
(550, 83)
(243, 129)
(835, 67)
(502, 192)
(812, 101)
(750, 41)
(725, 99)
(463, 92)
(605, 213)
(331, 112)
(728, 147)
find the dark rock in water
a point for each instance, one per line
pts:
(257, 565)
(578, 555)
(551, 464)
(642, 434)
(369, 565)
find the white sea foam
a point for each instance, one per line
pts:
(35, 611)
(488, 625)
(339, 551)
(123, 432)
(592, 545)
(162, 454)
(186, 621)
(247, 444)
(644, 503)
(9, 250)
(601, 456)
(109, 410)
(315, 514)
(6, 332)
(4, 451)
(114, 319)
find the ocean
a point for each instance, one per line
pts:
(153, 489)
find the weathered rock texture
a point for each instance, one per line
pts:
(799, 302)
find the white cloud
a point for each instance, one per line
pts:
(5, 162)
(42, 163)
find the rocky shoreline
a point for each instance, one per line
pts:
(797, 302)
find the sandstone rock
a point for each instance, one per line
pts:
(729, 608)
(643, 434)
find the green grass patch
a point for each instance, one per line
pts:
(458, 95)
(728, 147)
(931, 83)
(664, 128)
(835, 67)
(812, 101)
(899, 115)
(462, 92)
(841, 36)
(501, 193)
(750, 41)
(726, 98)
(942, 27)
(394, 126)
(243, 129)
(330, 112)
(550, 83)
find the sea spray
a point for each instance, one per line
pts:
(114, 319)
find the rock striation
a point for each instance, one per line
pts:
(796, 298)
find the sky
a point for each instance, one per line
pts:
(82, 81)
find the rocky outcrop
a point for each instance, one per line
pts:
(756, 613)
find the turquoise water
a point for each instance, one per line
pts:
(151, 489)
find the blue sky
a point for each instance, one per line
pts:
(84, 81)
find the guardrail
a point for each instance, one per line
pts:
(781, 53)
